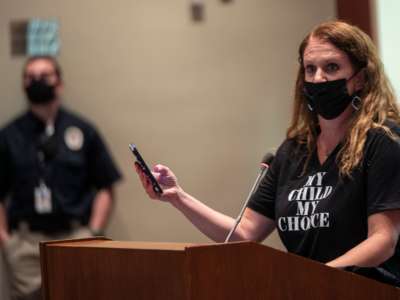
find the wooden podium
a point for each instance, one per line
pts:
(103, 269)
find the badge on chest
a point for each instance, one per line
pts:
(42, 196)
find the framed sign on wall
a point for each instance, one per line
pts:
(34, 37)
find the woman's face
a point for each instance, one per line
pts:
(324, 62)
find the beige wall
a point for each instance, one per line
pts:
(207, 99)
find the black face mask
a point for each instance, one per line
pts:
(40, 92)
(328, 99)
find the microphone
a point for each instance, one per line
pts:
(265, 162)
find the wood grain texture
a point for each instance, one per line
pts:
(109, 271)
(252, 271)
(100, 269)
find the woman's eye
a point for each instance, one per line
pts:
(310, 69)
(332, 67)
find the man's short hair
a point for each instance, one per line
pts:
(51, 59)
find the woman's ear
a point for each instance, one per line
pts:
(360, 79)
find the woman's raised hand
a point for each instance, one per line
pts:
(166, 179)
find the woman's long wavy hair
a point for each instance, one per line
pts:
(378, 100)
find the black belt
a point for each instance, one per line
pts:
(46, 225)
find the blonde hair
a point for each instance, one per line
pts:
(378, 100)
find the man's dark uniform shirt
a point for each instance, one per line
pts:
(73, 163)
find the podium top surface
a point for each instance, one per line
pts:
(110, 244)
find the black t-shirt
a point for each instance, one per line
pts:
(74, 163)
(321, 215)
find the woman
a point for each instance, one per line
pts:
(333, 190)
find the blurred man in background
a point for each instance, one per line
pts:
(56, 177)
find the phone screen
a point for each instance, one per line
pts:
(139, 159)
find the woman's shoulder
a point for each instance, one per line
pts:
(390, 130)
(384, 138)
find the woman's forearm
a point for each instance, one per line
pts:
(210, 222)
(370, 253)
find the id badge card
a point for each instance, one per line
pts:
(43, 204)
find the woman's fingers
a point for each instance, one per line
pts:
(145, 182)
(165, 176)
(163, 170)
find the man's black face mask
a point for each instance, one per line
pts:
(38, 91)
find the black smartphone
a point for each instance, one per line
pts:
(139, 159)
